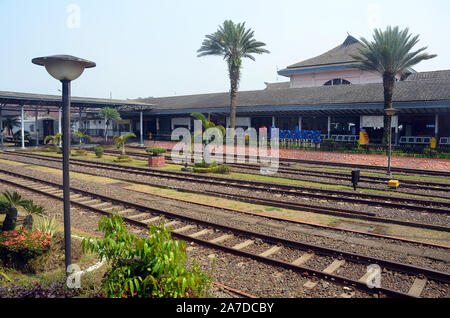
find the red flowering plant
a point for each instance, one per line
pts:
(24, 244)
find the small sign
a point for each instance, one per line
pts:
(363, 138)
(433, 143)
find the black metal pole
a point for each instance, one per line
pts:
(66, 177)
(390, 147)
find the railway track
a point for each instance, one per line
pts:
(410, 171)
(371, 199)
(293, 206)
(237, 241)
(297, 173)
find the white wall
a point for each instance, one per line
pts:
(318, 79)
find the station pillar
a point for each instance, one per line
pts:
(329, 127)
(22, 126)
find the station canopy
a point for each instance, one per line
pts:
(13, 101)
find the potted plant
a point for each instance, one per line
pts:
(156, 159)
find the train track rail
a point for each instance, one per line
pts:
(371, 199)
(300, 174)
(293, 206)
(348, 165)
(215, 236)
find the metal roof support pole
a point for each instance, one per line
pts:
(273, 121)
(79, 120)
(22, 126)
(329, 127)
(300, 123)
(141, 128)
(59, 126)
(436, 126)
(36, 126)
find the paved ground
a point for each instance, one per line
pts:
(378, 160)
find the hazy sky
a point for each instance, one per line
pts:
(148, 48)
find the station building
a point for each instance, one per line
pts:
(326, 93)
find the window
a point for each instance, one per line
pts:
(337, 81)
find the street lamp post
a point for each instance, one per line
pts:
(65, 68)
(390, 112)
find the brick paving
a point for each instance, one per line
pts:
(377, 160)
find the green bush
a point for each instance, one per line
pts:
(154, 152)
(156, 266)
(47, 226)
(212, 168)
(4, 205)
(203, 164)
(79, 152)
(123, 158)
(223, 169)
(50, 149)
(98, 151)
(23, 245)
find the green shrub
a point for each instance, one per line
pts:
(4, 205)
(20, 246)
(47, 226)
(156, 266)
(154, 152)
(50, 149)
(212, 168)
(203, 164)
(79, 152)
(98, 151)
(223, 169)
(123, 158)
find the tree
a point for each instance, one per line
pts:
(390, 54)
(82, 136)
(55, 139)
(10, 123)
(207, 123)
(31, 209)
(120, 141)
(15, 200)
(109, 114)
(233, 42)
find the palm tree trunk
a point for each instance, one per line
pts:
(234, 69)
(106, 132)
(388, 86)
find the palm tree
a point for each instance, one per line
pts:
(31, 209)
(207, 123)
(55, 139)
(109, 114)
(10, 123)
(82, 136)
(390, 54)
(233, 42)
(120, 141)
(15, 200)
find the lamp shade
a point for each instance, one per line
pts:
(64, 67)
(390, 111)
